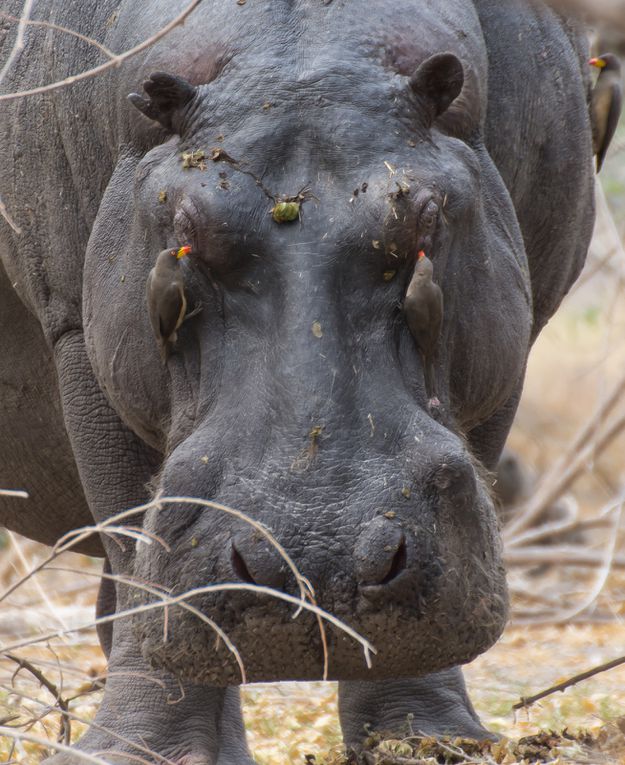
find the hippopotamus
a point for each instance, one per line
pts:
(303, 153)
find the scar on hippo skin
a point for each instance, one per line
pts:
(423, 309)
(168, 94)
(167, 303)
(438, 82)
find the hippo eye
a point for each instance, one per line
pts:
(429, 218)
(184, 228)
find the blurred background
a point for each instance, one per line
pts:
(562, 488)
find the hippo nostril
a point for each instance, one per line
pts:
(455, 480)
(254, 561)
(380, 554)
(240, 567)
(398, 564)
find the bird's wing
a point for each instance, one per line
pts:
(172, 308)
(607, 102)
(152, 311)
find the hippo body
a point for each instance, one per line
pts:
(295, 392)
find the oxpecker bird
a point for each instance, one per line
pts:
(423, 308)
(167, 304)
(606, 104)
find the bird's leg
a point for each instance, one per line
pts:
(194, 312)
(434, 403)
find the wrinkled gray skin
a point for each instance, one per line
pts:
(386, 511)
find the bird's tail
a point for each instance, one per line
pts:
(429, 377)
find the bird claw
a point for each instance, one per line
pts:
(194, 312)
(434, 407)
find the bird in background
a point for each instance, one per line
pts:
(423, 309)
(606, 104)
(167, 304)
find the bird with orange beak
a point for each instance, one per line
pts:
(606, 104)
(167, 304)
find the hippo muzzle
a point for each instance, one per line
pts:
(413, 566)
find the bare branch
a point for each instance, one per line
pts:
(211, 588)
(111, 63)
(11, 733)
(527, 701)
(13, 493)
(5, 214)
(571, 465)
(18, 45)
(132, 582)
(65, 731)
(559, 555)
(609, 11)
(49, 25)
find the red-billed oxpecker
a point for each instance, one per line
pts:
(606, 105)
(423, 308)
(167, 304)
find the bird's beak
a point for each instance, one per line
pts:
(598, 62)
(183, 251)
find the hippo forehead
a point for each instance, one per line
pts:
(307, 55)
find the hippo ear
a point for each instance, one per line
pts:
(168, 94)
(438, 82)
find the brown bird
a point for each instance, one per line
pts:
(606, 104)
(423, 308)
(167, 304)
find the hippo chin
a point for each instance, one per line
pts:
(202, 295)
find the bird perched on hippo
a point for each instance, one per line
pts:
(606, 104)
(166, 299)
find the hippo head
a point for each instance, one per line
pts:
(295, 392)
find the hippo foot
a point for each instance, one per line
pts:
(434, 705)
(202, 728)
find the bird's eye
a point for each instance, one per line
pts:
(428, 218)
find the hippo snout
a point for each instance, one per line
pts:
(402, 543)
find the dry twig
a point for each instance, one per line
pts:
(211, 588)
(115, 61)
(11, 733)
(527, 701)
(65, 730)
(571, 465)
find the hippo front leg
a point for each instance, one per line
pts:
(437, 705)
(143, 710)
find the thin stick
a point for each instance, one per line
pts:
(211, 588)
(131, 582)
(569, 468)
(527, 701)
(18, 45)
(13, 492)
(560, 555)
(116, 61)
(602, 578)
(556, 529)
(75, 753)
(5, 214)
(65, 731)
(26, 565)
(91, 724)
(49, 25)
